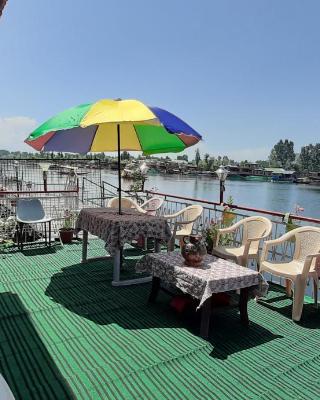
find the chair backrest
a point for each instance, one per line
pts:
(29, 210)
(125, 203)
(307, 242)
(152, 205)
(255, 227)
(190, 213)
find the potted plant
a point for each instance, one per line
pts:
(228, 216)
(66, 232)
(210, 235)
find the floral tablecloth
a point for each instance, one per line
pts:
(116, 230)
(215, 276)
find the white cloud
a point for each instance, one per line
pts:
(13, 132)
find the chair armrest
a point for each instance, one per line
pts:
(231, 228)
(137, 207)
(268, 243)
(171, 216)
(222, 231)
(259, 238)
(308, 261)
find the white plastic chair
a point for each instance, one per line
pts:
(126, 202)
(152, 205)
(5, 391)
(184, 219)
(255, 229)
(302, 265)
(30, 211)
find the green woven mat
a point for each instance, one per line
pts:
(66, 333)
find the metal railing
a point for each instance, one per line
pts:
(213, 212)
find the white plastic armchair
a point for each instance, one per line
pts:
(255, 229)
(302, 265)
(152, 205)
(183, 219)
(30, 211)
(126, 202)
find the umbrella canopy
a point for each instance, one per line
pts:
(94, 128)
(114, 125)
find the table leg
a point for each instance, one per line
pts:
(205, 318)
(157, 246)
(243, 306)
(84, 246)
(116, 265)
(155, 287)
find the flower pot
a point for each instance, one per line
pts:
(228, 217)
(66, 235)
(193, 250)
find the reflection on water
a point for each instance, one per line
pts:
(270, 196)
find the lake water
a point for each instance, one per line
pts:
(281, 197)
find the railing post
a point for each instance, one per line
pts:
(83, 178)
(102, 194)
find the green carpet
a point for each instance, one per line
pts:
(66, 333)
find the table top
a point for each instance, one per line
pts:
(117, 229)
(214, 276)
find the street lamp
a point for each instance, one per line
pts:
(222, 173)
(45, 168)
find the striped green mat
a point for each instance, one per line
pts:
(66, 333)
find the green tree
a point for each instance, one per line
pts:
(225, 160)
(197, 157)
(125, 155)
(283, 154)
(211, 164)
(206, 160)
(183, 157)
(309, 158)
(263, 163)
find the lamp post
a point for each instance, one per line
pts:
(16, 168)
(45, 168)
(222, 173)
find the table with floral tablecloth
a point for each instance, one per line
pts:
(117, 230)
(215, 275)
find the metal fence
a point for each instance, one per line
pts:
(57, 183)
(71, 184)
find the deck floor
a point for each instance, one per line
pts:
(66, 333)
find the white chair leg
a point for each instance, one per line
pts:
(298, 298)
(315, 290)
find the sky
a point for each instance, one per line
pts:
(244, 74)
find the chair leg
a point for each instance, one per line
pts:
(315, 290)
(45, 233)
(289, 287)
(21, 235)
(298, 298)
(49, 233)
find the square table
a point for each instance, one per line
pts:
(116, 230)
(216, 275)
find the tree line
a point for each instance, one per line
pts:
(282, 155)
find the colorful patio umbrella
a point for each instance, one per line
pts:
(114, 125)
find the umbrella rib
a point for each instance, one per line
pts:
(93, 137)
(138, 137)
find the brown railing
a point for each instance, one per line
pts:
(236, 207)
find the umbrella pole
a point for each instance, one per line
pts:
(119, 167)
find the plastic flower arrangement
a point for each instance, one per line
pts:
(68, 222)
